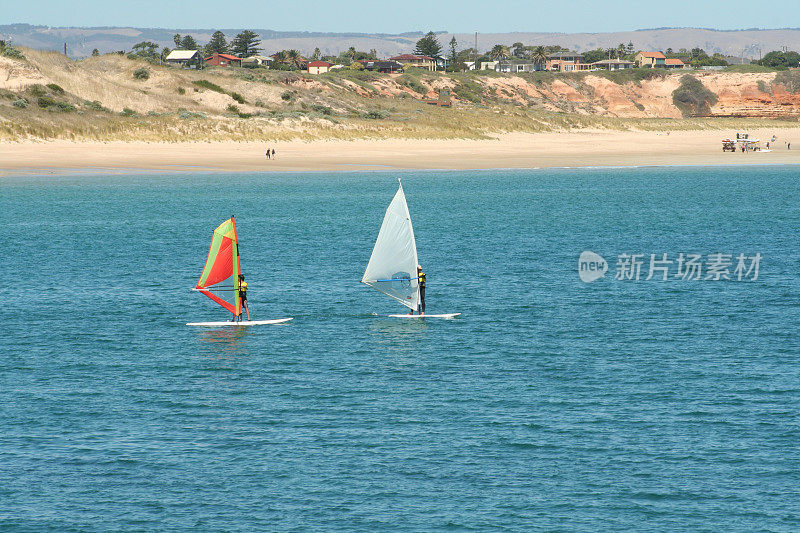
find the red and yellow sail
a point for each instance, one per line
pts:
(220, 278)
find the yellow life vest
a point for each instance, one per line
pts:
(421, 278)
(243, 286)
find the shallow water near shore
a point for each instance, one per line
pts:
(551, 403)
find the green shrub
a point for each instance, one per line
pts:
(37, 90)
(232, 108)
(187, 115)
(21, 103)
(205, 84)
(632, 75)
(238, 97)
(323, 109)
(94, 105)
(468, 90)
(376, 115)
(747, 68)
(181, 90)
(141, 73)
(789, 79)
(128, 112)
(763, 87)
(412, 83)
(693, 98)
(287, 96)
(55, 88)
(9, 51)
(50, 104)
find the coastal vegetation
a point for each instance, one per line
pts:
(48, 96)
(693, 98)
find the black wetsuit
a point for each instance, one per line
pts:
(242, 295)
(421, 308)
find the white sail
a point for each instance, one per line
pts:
(392, 268)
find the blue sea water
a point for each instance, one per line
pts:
(551, 404)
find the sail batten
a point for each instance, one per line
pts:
(220, 278)
(392, 267)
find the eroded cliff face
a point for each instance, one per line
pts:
(108, 80)
(739, 95)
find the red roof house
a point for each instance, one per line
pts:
(223, 60)
(318, 67)
(674, 63)
(413, 60)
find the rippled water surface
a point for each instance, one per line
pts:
(551, 403)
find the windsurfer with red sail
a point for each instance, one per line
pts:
(243, 295)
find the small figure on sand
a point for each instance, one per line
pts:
(267, 153)
(273, 153)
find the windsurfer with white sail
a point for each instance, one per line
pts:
(421, 285)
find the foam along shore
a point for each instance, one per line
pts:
(514, 150)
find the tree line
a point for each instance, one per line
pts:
(244, 44)
(247, 43)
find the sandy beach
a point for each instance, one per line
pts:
(513, 150)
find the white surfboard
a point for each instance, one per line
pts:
(446, 315)
(242, 323)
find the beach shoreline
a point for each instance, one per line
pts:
(574, 149)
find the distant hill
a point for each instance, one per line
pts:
(81, 41)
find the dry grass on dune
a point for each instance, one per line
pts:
(175, 105)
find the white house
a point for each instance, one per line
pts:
(184, 58)
(256, 61)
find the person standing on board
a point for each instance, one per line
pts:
(421, 282)
(243, 295)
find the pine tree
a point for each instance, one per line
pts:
(428, 46)
(245, 44)
(316, 55)
(453, 51)
(177, 40)
(217, 45)
(188, 43)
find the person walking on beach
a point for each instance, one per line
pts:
(243, 295)
(273, 153)
(267, 153)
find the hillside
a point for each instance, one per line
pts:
(48, 95)
(81, 41)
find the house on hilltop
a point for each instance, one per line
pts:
(411, 60)
(318, 67)
(223, 60)
(386, 67)
(674, 63)
(566, 62)
(612, 64)
(650, 60)
(184, 58)
(515, 65)
(256, 61)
